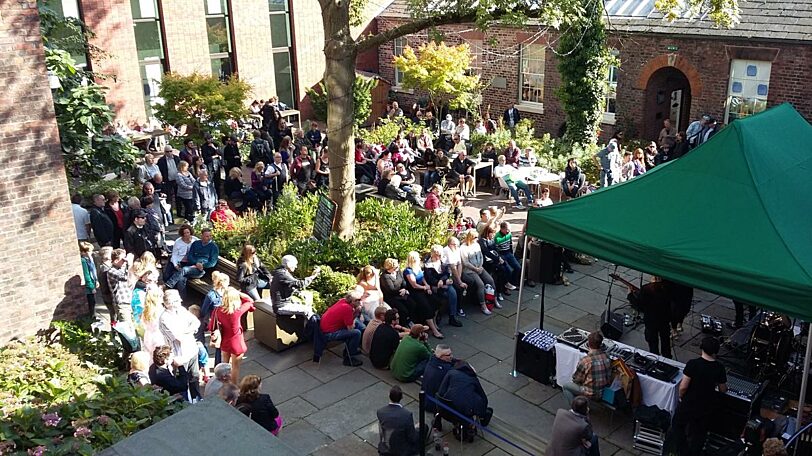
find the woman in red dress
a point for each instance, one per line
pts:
(227, 318)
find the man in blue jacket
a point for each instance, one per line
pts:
(202, 255)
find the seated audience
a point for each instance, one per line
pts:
(222, 376)
(514, 184)
(398, 435)
(258, 406)
(385, 340)
(372, 297)
(340, 323)
(223, 214)
(426, 305)
(438, 275)
(251, 273)
(393, 286)
(433, 198)
(462, 172)
(474, 273)
(572, 431)
(168, 373)
(230, 393)
(412, 355)
(369, 331)
(438, 366)
(574, 179)
(139, 369)
(545, 200)
(202, 255)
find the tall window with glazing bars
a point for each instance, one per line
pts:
(149, 44)
(218, 29)
(279, 13)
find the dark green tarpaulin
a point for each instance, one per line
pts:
(733, 217)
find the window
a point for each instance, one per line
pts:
(398, 46)
(280, 42)
(531, 74)
(748, 89)
(476, 56)
(610, 98)
(218, 30)
(67, 9)
(149, 44)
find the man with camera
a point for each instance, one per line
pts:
(412, 355)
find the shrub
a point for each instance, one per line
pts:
(124, 187)
(330, 287)
(91, 345)
(89, 423)
(386, 130)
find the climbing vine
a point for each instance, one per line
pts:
(583, 64)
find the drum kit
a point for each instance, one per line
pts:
(771, 345)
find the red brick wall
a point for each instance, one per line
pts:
(39, 261)
(111, 21)
(706, 62)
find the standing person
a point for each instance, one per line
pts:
(608, 159)
(593, 373)
(398, 435)
(115, 212)
(186, 192)
(152, 337)
(138, 238)
(251, 273)
(314, 134)
(205, 194)
(681, 299)
(226, 318)
(231, 153)
(189, 151)
(340, 323)
(511, 117)
(321, 172)
(147, 170)
(284, 284)
(412, 355)
(179, 326)
(667, 137)
(121, 284)
(681, 146)
(168, 165)
(654, 301)
(105, 255)
(504, 246)
(81, 218)
(572, 431)
(89, 272)
(258, 406)
(699, 399)
(102, 225)
(261, 150)
(213, 160)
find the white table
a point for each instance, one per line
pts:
(538, 177)
(658, 393)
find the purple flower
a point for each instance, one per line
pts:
(38, 451)
(7, 447)
(104, 420)
(51, 419)
(82, 432)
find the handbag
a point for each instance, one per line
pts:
(216, 337)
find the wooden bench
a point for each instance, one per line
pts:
(203, 284)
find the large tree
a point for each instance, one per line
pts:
(340, 50)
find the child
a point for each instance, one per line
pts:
(200, 336)
(105, 255)
(89, 272)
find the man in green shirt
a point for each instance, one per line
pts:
(412, 355)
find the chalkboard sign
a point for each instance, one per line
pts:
(325, 215)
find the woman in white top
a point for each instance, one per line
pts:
(150, 328)
(372, 298)
(474, 273)
(179, 250)
(451, 257)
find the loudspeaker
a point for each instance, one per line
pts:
(612, 325)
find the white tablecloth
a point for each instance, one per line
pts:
(664, 395)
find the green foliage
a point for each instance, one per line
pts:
(124, 187)
(387, 130)
(87, 424)
(201, 101)
(724, 13)
(36, 374)
(92, 346)
(361, 94)
(331, 287)
(442, 71)
(583, 64)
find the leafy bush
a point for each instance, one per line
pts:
(331, 286)
(89, 423)
(387, 130)
(362, 97)
(124, 187)
(39, 375)
(92, 346)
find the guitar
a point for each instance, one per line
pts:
(632, 287)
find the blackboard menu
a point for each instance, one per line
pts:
(325, 215)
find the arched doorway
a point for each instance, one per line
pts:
(668, 96)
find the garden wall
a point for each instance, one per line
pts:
(40, 271)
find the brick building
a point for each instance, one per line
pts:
(39, 260)
(275, 45)
(677, 70)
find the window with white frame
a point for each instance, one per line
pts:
(610, 97)
(748, 88)
(476, 56)
(531, 74)
(399, 45)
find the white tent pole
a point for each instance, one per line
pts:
(804, 381)
(514, 373)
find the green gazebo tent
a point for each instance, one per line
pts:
(732, 217)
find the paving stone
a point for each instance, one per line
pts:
(491, 342)
(589, 322)
(369, 433)
(536, 393)
(623, 436)
(557, 291)
(555, 402)
(351, 413)
(488, 387)
(295, 409)
(339, 388)
(499, 375)
(600, 284)
(330, 367)
(566, 314)
(481, 361)
(278, 362)
(606, 447)
(497, 452)
(587, 300)
(303, 437)
(522, 415)
(349, 445)
(254, 368)
(289, 384)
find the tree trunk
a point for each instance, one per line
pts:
(339, 76)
